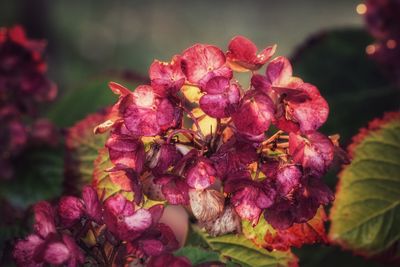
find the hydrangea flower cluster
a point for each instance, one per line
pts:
(87, 231)
(23, 86)
(383, 22)
(196, 137)
(193, 137)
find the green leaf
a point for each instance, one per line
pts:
(78, 103)
(101, 177)
(198, 255)
(366, 214)
(39, 176)
(240, 250)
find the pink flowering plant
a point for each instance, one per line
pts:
(243, 160)
(24, 85)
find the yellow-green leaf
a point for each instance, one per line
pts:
(242, 251)
(366, 214)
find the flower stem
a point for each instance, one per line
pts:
(174, 132)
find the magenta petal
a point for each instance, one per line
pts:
(167, 115)
(92, 203)
(214, 105)
(152, 247)
(224, 71)
(280, 215)
(167, 237)
(261, 83)
(233, 156)
(243, 52)
(77, 257)
(163, 156)
(242, 49)
(255, 113)
(310, 114)
(44, 219)
(309, 199)
(201, 61)
(174, 189)
(217, 85)
(141, 122)
(166, 77)
(201, 175)
(221, 104)
(127, 151)
(249, 198)
(139, 220)
(245, 205)
(70, 210)
(140, 112)
(146, 114)
(24, 251)
(314, 152)
(279, 70)
(56, 253)
(156, 213)
(122, 219)
(288, 178)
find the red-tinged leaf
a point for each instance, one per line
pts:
(365, 216)
(264, 235)
(82, 147)
(109, 183)
(299, 234)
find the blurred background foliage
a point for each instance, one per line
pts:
(93, 42)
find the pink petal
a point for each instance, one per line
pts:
(56, 253)
(201, 175)
(141, 122)
(70, 210)
(167, 115)
(243, 52)
(315, 152)
(310, 114)
(24, 251)
(44, 219)
(288, 178)
(217, 85)
(126, 151)
(77, 257)
(255, 113)
(221, 104)
(164, 156)
(156, 213)
(92, 203)
(174, 189)
(245, 206)
(138, 221)
(152, 247)
(279, 71)
(167, 77)
(200, 60)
